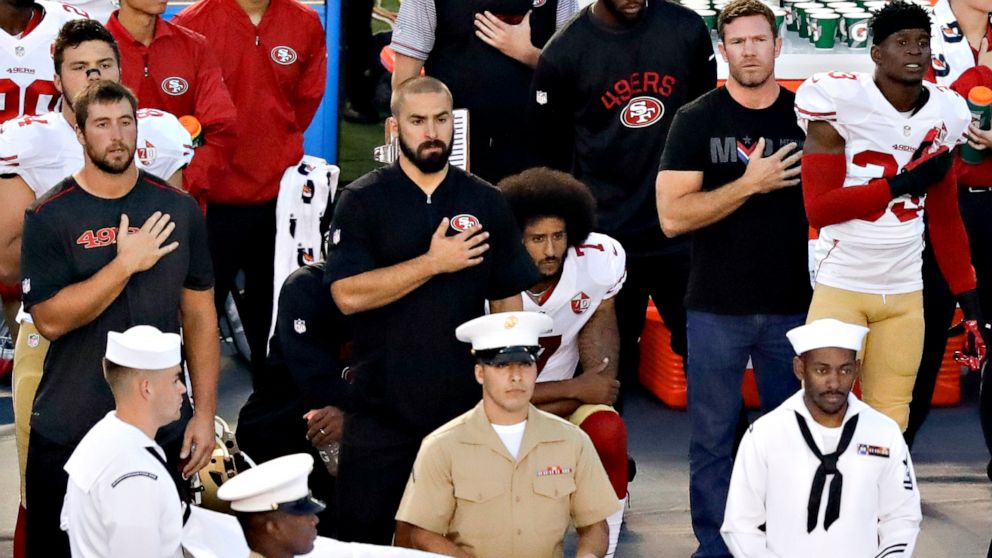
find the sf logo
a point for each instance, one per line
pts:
(283, 55)
(641, 112)
(175, 85)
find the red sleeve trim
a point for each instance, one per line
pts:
(950, 242)
(816, 114)
(828, 202)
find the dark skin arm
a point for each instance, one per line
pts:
(599, 347)
(821, 137)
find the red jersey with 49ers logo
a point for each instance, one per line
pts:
(275, 72)
(593, 271)
(879, 253)
(177, 73)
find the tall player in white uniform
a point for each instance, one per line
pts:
(581, 271)
(877, 152)
(37, 152)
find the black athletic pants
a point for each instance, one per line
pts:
(369, 488)
(664, 279)
(938, 309)
(243, 238)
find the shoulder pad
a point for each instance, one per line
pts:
(164, 146)
(25, 142)
(63, 12)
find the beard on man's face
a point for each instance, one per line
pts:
(105, 163)
(427, 162)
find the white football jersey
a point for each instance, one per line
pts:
(99, 10)
(879, 254)
(27, 85)
(43, 150)
(593, 271)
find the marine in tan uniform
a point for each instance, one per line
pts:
(506, 479)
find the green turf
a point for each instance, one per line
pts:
(356, 141)
(355, 150)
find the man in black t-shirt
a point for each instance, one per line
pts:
(730, 175)
(87, 272)
(416, 249)
(604, 94)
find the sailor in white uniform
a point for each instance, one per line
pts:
(121, 500)
(823, 474)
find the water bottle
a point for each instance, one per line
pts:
(329, 455)
(980, 105)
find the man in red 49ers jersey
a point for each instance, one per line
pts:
(581, 272)
(877, 149)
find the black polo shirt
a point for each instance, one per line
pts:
(411, 374)
(70, 235)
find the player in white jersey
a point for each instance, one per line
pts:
(878, 151)
(37, 152)
(581, 271)
(27, 85)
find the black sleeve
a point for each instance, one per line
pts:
(542, 23)
(513, 271)
(310, 332)
(551, 107)
(686, 148)
(703, 61)
(349, 251)
(201, 271)
(45, 266)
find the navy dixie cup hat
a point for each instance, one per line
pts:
(276, 485)
(505, 337)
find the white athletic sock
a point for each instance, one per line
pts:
(614, 522)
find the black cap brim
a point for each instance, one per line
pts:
(304, 506)
(506, 355)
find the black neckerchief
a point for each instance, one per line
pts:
(828, 466)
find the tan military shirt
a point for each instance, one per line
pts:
(466, 485)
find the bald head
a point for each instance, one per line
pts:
(417, 86)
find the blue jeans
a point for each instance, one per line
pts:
(719, 346)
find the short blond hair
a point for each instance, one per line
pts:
(744, 8)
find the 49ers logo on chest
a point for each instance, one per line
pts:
(581, 302)
(641, 112)
(464, 222)
(175, 86)
(283, 55)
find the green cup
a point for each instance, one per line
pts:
(803, 18)
(856, 26)
(791, 22)
(811, 21)
(842, 22)
(779, 19)
(824, 29)
(709, 17)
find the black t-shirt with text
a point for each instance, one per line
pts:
(754, 261)
(411, 374)
(602, 102)
(70, 235)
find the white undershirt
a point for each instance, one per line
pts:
(511, 435)
(830, 436)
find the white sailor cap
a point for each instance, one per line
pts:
(143, 347)
(279, 484)
(827, 333)
(505, 337)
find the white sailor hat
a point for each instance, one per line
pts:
(143, 347)
(505, 337)
(279, 484)
(827, 332)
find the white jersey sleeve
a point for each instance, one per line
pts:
(42, 150)
(164, 146)
(957, 115)
(818, 97)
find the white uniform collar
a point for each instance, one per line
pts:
(101, 446)
(796, 403)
